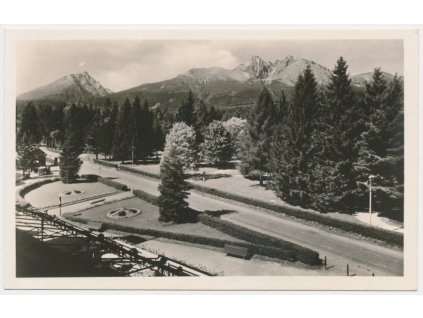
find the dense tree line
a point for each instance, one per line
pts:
(326, 142)
(315, 147)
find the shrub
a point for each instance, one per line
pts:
(146, 196)
(391, 237)
(30, 187)
(114, 184)
(252, 248)
(105, 163)
(90, 177)
(138, 171)
(302, 254)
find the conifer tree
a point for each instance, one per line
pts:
(107, 128)
(75, 124)
(136, 129)
(173, 189)
(186, 111)
(201, 120)
(29, 129)
(333, 178)
(146, 131)
(26, 157)
(93, 132)
(159, 131)
(381, 146)
(122, 135)
(261, 124)
(291, 155)
(282, 107)
(72, 147)
(69, 158)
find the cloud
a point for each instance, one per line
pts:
(120, 65)
(163, 61)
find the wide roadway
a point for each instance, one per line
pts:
(364, 258)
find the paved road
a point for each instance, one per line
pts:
(364, 258)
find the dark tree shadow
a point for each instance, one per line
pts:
(190, 216)
(219, 213)
(199, 176)
(225, 165)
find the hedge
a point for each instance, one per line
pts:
(114, 184)
(138, 171)
(302, 254)
(391, 237)
(22, 192)
(362, 229)
(279, 248)
(90, 177)
(105, 163)
(146, 196)
(252, 248)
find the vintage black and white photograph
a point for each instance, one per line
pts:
(210, 157)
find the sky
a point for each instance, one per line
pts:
(119, 65)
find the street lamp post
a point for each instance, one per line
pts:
(132, 152)
(371, 177)
(60, 205)
(204, 180)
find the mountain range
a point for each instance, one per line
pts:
(73, 87)
(216, 85)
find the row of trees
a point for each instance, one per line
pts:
(320, 145)
(317, 146)
(131, 131)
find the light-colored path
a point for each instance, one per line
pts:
(378, 222)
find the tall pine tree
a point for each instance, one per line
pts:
(261, 123)
(123, 133)
(73, 146)
(291, 151)
(173, 189)
(159, 131)
(185, 111)
(29, 128)
(381, 147)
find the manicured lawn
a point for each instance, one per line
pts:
(48, 194)
(148, 219)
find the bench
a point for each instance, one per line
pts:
(98, 201)
(94, 226)
(235, 250)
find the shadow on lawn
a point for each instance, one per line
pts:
(199, 176)
(219, 213)
(189, 216)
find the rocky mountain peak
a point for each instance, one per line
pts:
(76, 86)
(258, 68)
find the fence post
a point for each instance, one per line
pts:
(326, 263)
(42, 229)
(348, 269)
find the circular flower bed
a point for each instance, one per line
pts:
(123, 213)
